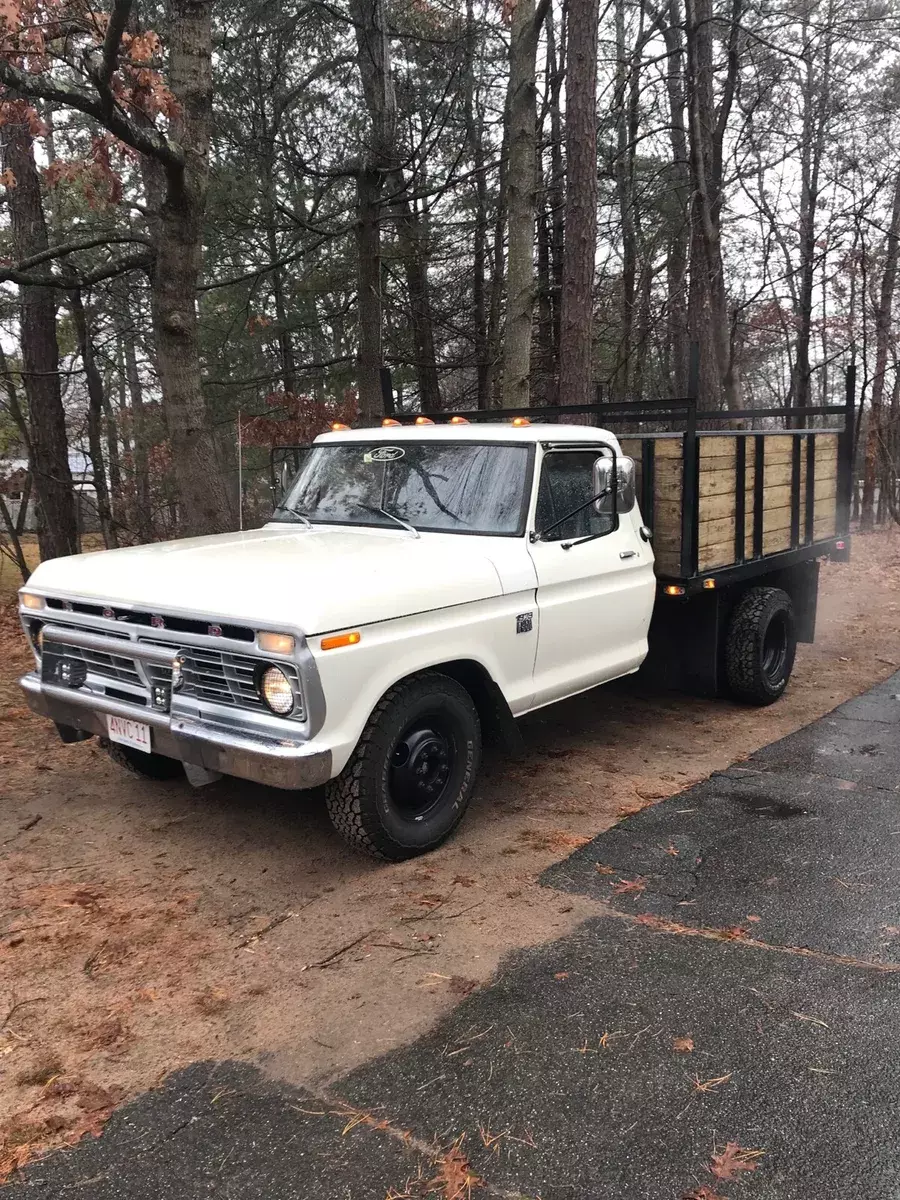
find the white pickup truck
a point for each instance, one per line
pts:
(417, 589)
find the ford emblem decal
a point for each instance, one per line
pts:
(214, 630)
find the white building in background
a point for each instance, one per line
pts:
(12, 473)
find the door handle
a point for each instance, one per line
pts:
(627, 553)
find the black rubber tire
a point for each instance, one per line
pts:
(359, 800)
(148, 766)
(760, 646)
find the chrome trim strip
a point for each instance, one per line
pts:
(121, 647)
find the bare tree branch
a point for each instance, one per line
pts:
(146, 140)
(118, 20)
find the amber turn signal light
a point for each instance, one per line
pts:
(388, 421)
(340, 639)
(424, 421)
(519, 422)
(458, 421)
(338, 426)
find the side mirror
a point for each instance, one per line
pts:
(603, 482)
(284, 479)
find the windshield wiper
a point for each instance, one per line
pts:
(383, 512)
(295, 512)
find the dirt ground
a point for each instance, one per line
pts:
(146, 925)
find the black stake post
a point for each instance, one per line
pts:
(690, 501)
(387, 390)
(845, 453)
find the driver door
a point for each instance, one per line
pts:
(594, 599)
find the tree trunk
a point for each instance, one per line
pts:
(556, 196)
(202, 496)
(707, 309)
(495, 380)
(575, 340)
(49, 450)
(625, 196)
(520, 180)
(883, 317)
(413, 253)
(677, 338)
(94, 418)
(144, 515)
(370, 354)
(475, 139)
(816, 106)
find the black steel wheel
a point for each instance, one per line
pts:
(760, 646)
(411, 776)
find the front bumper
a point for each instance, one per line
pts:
(275, 762)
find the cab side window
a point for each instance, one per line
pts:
(566, 483)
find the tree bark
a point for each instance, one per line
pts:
(140, 441)
(95, 415)
(475, 139)
(370, 353)
(575, 341)
(202, 496)
(816, 106)
(883, 319)
(707, 308)
(520, 199)
(49, 450)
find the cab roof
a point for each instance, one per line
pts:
(478, 431)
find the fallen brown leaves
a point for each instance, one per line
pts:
(455, 1179)
(552, 839)
(25, 1139)
(734, 1160)
(702, 1193)
(710, 1085)
(629, 886)
(683, 1045)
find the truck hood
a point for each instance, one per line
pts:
(312, 579)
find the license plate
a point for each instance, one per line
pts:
(129, 733)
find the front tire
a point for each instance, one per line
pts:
(147, 766)
(410, 779)
(760, 646)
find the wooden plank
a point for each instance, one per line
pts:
(749, 479)
(716, 448)
(716, 554)
(713, 507)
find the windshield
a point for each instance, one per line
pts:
(438, 487)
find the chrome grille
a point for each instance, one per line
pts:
(220, 677)
(106, 666)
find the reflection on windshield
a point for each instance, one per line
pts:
(435, 486)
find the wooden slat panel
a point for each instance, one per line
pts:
(667, 485)
(716, 554)
(716, 447)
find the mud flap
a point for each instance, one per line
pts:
(199, 777)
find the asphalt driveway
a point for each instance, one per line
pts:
(725, 1027)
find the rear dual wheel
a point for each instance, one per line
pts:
(760, 646)
(411, 776)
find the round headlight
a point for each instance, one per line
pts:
(276, 691)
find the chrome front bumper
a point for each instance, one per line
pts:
(276, 762)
